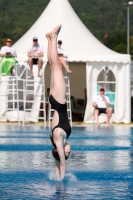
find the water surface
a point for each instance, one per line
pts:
(100, 165)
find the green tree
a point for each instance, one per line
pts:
(118, 42)
(17, 16)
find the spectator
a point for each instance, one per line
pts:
(101, 103)
(35, 54)
(62, 56)
(47, 94)
(8, 54)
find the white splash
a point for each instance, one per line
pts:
(68, 176)
(71, 177)
(52, 176)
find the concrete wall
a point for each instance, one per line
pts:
(77, 79)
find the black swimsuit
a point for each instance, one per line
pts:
(63, 118)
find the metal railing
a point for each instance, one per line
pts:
(14, 93)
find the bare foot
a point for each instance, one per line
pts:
(98, 125)
(32, 75)
(55, 31)
(47, 35)
(39, 76)
(68, 70)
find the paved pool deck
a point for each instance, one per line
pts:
(41, 123)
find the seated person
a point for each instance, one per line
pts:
(47, 95)
(8, 54)
(62, 54)
(101, 103)
(35, 54)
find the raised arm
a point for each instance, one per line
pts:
(57, 169)
(107, 101)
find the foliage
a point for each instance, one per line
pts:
(106, 16)
(118, 42)
(17, 16)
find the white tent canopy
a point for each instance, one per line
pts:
(82, 47)
(77, 39)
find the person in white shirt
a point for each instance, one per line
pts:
(35, 54)
(62, 56)
(101, 103)
(8, 54)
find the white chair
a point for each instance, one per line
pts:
(102, 118)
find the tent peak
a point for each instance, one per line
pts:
(78, 41)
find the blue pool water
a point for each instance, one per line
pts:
(100, 165)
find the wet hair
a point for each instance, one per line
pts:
(54, 150)
(55, 154)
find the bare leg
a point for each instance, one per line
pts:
(96, 113)
(57, 169)
(59, 88)
(31, 67)
(61, 58)
(48, 51)
(39, 66)
(55, 116)
(49, 59)
(109, 114)
(53, 51)
(57, 78)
